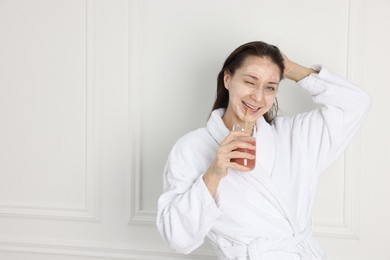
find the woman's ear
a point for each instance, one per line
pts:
(226, 79)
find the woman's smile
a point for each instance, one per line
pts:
(250, 108)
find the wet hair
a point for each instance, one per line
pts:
(236, 59)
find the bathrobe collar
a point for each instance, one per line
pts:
(216, 126)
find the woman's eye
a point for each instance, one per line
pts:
(250, 83)
(270, 88)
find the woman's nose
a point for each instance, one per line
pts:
(257, 95)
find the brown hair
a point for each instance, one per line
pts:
(235, 61)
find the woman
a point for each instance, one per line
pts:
(262, 213)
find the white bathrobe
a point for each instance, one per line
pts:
(264, 214)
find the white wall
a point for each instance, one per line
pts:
(93, 94)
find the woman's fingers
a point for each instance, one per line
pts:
(234, 135)
(239, 167)
(233, 146)
(241, 155)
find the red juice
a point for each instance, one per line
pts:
(246, 162)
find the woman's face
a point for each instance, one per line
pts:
(252, 90)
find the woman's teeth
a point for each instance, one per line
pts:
(251, 107)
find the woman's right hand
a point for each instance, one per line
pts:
(227, 151)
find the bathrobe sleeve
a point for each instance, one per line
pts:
(186, 209)
(323, 134)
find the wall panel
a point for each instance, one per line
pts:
(47, 151)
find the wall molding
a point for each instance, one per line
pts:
(98, 250)
(136, 214)
(89, 209)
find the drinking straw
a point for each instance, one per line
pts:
(247, 122)
(246, 119)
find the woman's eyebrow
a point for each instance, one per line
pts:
(253, 77)
(256, 78)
